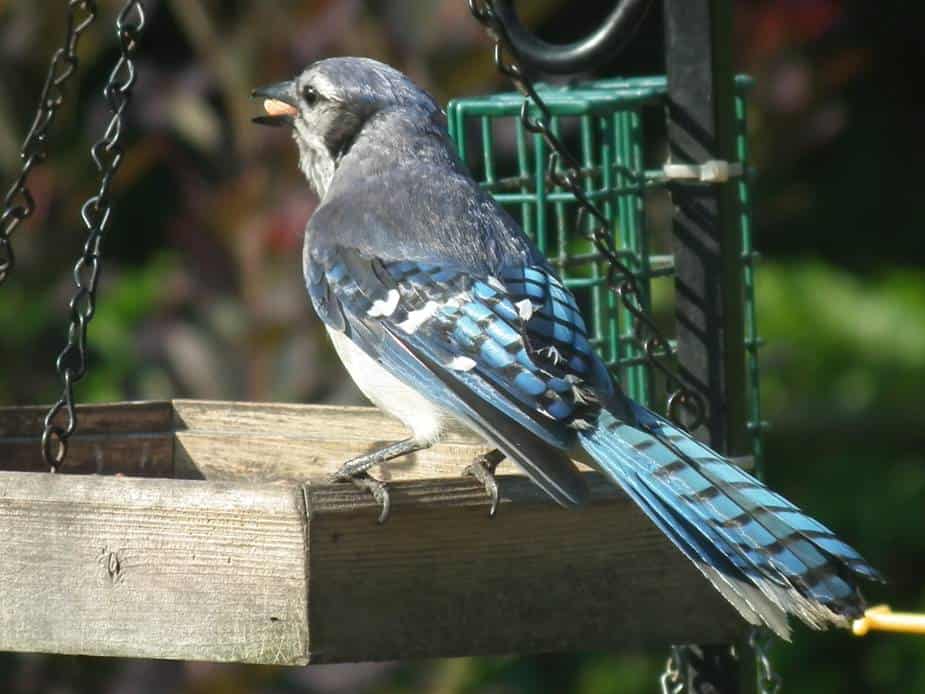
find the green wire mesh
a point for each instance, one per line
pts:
(603, 123)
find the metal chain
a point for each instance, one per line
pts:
(768, 681)
(18, 203)
(107, 155)
(672, 681)
(566, 172)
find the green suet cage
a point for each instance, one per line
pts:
(605, 123)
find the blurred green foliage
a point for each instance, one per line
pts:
(856, 340)
(202, 294)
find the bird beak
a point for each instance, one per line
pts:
(279, 101)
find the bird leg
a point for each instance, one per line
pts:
(355, 471)
(483, 469)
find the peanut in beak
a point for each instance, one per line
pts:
(274, 107)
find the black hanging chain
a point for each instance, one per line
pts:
(565, 171)
(18, 203)
(107, 155)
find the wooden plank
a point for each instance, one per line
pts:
(108, 418)
(137, 455)
(130, 438)
(335, 422)
(152, 568)
(443, 579)
(230, 441)
(287, 459)
(284, 574)
(282, 442)
(260, 573)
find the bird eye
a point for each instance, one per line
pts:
(309, 95)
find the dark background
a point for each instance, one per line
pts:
(202, 294)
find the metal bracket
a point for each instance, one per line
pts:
(580, 56)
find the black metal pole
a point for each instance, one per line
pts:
(707, 249)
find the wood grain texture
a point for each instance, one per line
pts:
(137, 455)
(443, 579)
(109, 418)
(152, 568)
(130, 438)
(231, 441)
(285, 573)
(277, 442)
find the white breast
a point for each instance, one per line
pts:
(422, 417)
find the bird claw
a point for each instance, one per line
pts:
(483, 469)
(370, 484)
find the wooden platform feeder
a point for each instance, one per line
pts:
(206, 531)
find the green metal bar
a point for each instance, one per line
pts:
(752, 339)
(586, 282)
(608, 182)
(627, 240)
(588, 162)
(551, 197)
(505, 186)
(559, 197)
(600, 97)
(451, 109)
(602, 299)
(639, 235)
(574, 102)
(488, 148)
(656, 84)
(637, 231)
(539, 173)
(523, 169)
(461, 109)
(579, 244)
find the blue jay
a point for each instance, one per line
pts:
(440, 307)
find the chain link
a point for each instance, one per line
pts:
(768, 681)
(96, 212)
(566, 172)
(18, 203)
(672, 681)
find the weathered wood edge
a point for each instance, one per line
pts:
(442, 579)
(130, 567)
(230, 441)
(129, 438)
(104, 418)
(218, 570)
(233, 441)
(542, 579)
(292, 443)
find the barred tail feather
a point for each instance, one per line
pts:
(721, 571)
(759, 550)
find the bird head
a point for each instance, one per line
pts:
(330, 104)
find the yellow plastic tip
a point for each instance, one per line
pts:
(882, 618)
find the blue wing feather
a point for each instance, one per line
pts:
(439, 315)
(508, 353)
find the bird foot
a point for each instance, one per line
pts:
(368, 483)
(483, 469)
(355, 471)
